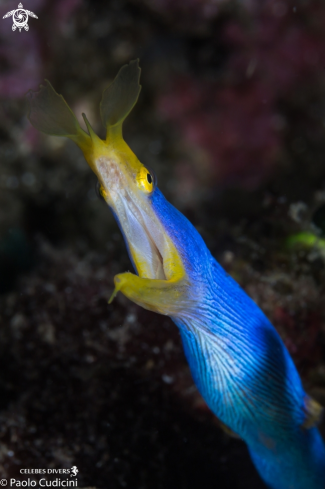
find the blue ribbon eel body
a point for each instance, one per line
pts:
(238, 361)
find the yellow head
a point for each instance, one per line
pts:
(126, 185)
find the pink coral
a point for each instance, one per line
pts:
(236, 119)
(235, 126)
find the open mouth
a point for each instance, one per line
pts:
(144, 236)
(143, 232)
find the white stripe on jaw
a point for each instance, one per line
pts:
(131, 218)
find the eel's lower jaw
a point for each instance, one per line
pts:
(166, 297)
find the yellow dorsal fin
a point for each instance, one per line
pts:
(50, 113)
(314, 412)
(119, 98)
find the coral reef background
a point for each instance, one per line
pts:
(232, 120)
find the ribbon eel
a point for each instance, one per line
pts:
(237, 359)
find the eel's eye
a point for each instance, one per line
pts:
(100, 191)
(146, 180)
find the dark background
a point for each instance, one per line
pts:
(231, 118)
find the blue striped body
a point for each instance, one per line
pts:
(241, 366)
(237, 359)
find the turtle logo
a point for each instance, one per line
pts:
(20, 18)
